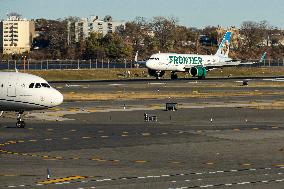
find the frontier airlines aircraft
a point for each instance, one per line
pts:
(21, 92)
(196, 65)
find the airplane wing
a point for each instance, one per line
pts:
(234, 63)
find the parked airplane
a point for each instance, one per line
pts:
(21, 92)
(196, 65)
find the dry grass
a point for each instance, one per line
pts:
(157, 95)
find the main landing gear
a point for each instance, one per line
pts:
(174, 75)
(20, 123)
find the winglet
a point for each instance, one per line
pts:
(262, 57)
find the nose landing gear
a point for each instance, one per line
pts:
(20, 123)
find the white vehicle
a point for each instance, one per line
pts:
(196, 65)
(21, 92)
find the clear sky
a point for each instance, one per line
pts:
(191, 13)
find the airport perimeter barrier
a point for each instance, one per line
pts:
(98, 64)
(65, 64)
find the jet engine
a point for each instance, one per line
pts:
(199, 72)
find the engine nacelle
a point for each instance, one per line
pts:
(156, 73)
(199, 72)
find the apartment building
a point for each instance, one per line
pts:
(16, 35)
(85, 26)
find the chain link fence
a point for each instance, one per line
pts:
(65, 64)
(98, 64)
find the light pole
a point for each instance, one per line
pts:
(24, 58)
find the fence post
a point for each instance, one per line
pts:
(78, 65)
(47, 64)
(96, 63)
(102, 63)
(125, 63)
(108, 63)
(15, 64)
(90, 63)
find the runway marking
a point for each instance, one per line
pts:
(231, 184)
(246, 164)
(86, 137)
(162, 176)
(210, 163)
(45, 157)
(146, 134)
(60, 180)
(140, 161)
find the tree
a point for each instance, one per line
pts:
(93, 47)
(135, 34)
(164, 31)
(115, 46)
(253, 37)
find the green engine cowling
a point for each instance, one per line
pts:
(199, 72)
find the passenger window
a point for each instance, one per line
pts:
(37, 85)
(31, 85)
(45, 85)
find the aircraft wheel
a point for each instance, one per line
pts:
(174, 76)
(21, 124)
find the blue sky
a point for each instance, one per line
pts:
(193, 13)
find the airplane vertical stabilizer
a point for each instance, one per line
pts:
(224, 47)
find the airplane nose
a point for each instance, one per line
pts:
(57, 98)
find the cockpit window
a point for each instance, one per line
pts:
(37, 85)
(31, 85)
(45, 85)
(152, 58)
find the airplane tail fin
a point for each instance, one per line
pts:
(262, 57)
(224, 47)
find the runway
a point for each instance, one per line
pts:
(219, 141)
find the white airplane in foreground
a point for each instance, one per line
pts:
(21, 92)
(196, 65)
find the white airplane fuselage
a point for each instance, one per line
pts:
(23, 92)
(180, 62)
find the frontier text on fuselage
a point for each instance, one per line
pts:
(185, 60)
